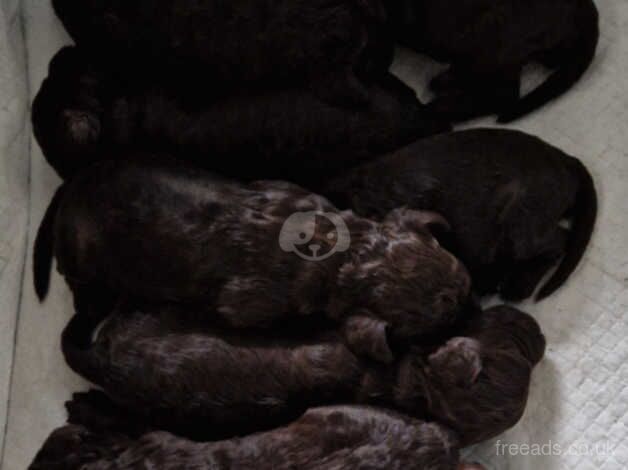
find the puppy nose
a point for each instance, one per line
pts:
(314, 248)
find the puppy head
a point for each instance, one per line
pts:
(66, 113)
(508, 327)
(401, 277)
(71, 447)
(479, 390)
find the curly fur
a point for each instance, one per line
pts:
(504, 194)
(323, 438)
(163, 232)
(207, 382)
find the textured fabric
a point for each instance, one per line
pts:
(580, 391)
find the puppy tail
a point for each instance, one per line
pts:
(583, 224)
(564, 78)
(44, 247)
(76, 345)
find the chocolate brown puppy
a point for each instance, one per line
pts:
(504, 193)
(210, 383)
(219, 45)
(83, 113)
(488, 42)
(477, 384)
(354, 437)
(251, 254)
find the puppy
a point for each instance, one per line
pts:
(323, 438)
(82, 114)
(477, 384)
(488, 43)
(504, 193)
(219, 45)
(250, 253)
(208, 383)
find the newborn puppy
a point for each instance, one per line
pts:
(218, 45)
(250, 253)
(477, 384)
(82, 114)
(207, 382)
(488, 42)
(340, 437)
(504, 193)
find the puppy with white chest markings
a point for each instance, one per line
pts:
(163, 232)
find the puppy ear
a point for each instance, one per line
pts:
(458, 362)
(413, 220)
(368, 336)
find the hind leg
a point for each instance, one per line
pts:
(341, 88)
(98, 412)
(526, 275)
(467, 95)
(92, 300)
(444, 81)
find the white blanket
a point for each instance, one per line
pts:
(580, 391)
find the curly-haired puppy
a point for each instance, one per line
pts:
(476, 384)
(82, 114)
(249, 253)
(207, 383)
(338, 437)
(505, 195)
(488, 43)
(217, 45)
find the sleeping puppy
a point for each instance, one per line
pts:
(219, 45)
(488, 43)
(207, 383)
(339, 437)
(252, 254)
(476, 384)
(82, 114)
(504, 193)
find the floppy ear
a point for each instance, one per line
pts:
(459, 361)
(368, 336)
(413, 220)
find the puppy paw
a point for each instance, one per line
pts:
(81, 127)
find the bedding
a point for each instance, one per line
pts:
(577, 416)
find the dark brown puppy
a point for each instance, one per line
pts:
(82, 114)
(207, 383)
(210, 382)
(250, 253)
(504, 193)
(340, 437)
(217, 45)
(488, 42)
(477, 384)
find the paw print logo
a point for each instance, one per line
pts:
(314, 236)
